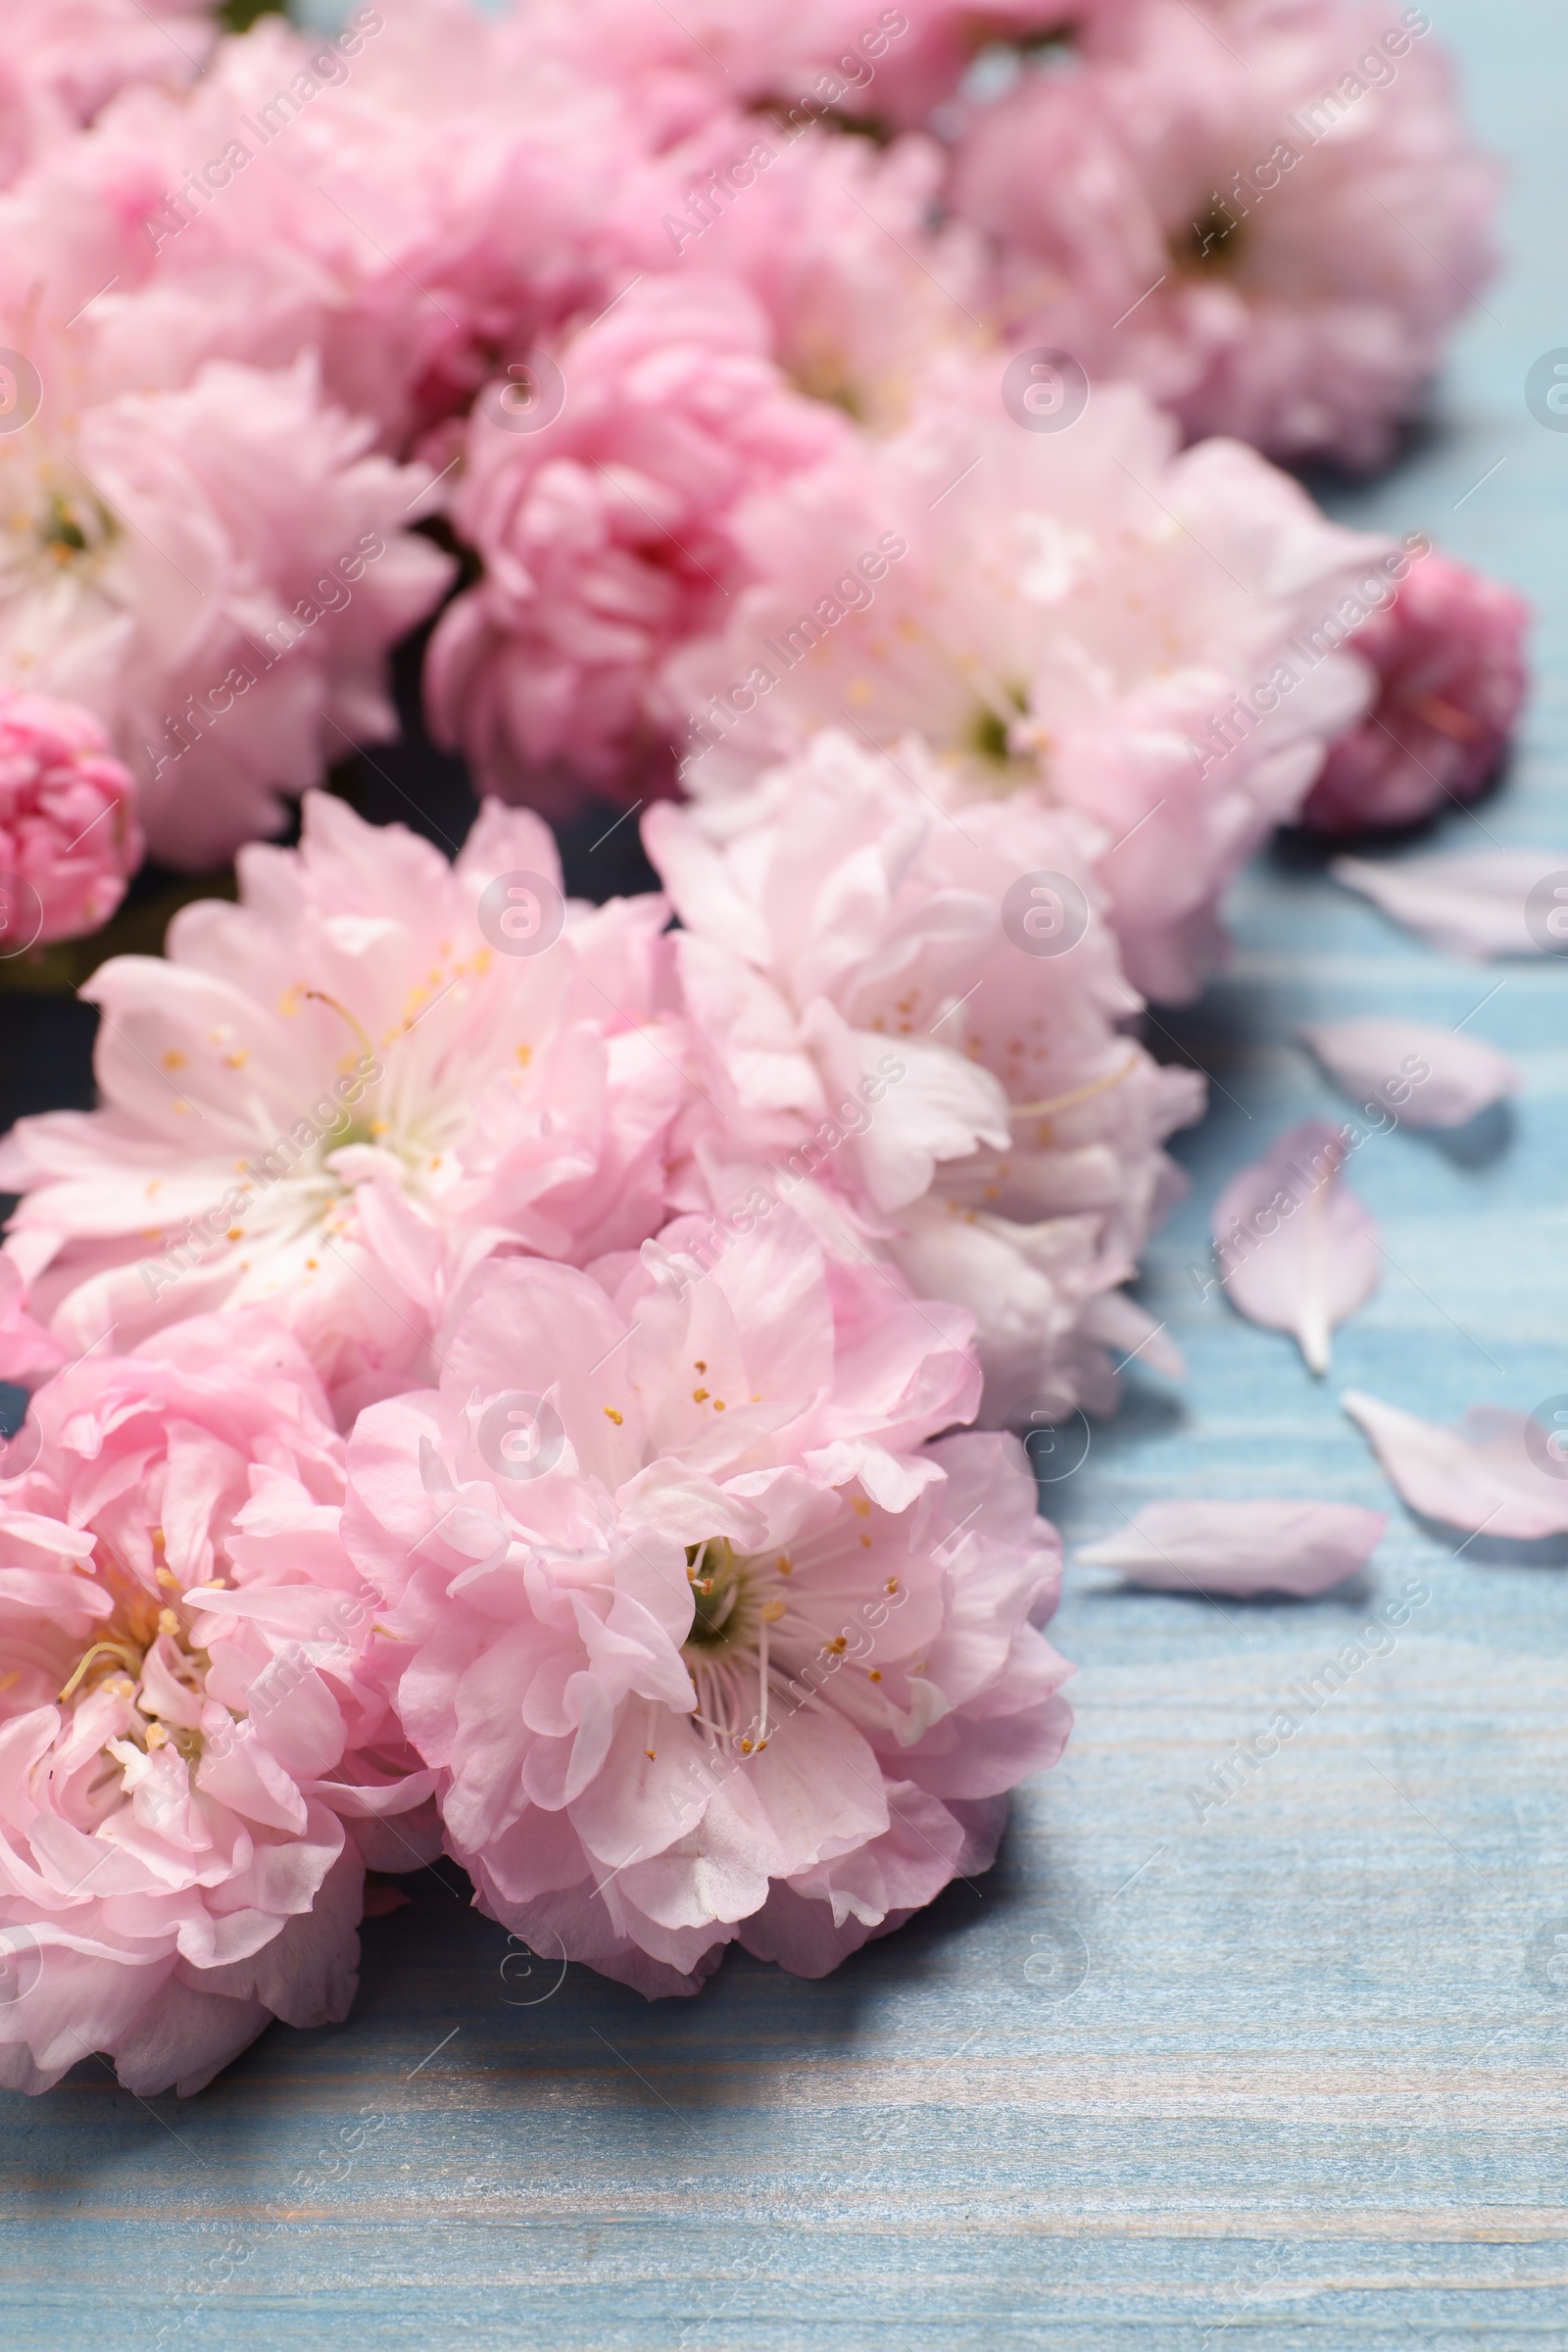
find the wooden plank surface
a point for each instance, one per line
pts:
(1285, 2072)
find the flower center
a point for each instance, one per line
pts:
(1213, 242)
(114, 1665)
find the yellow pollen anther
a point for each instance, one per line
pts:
(6, 1680)
(157, 1737)
(838, 1645)
(865, 1543)
(167, 1578)
(861, 1507)
(699, 1367)
(649, 1754)
(891, 1584)
(167, 1622)
(746, 1747)
(718, 1404)
(699, 1395)
(772, 1611)
(610, 1414)
(173, 1060)
(784, 1564)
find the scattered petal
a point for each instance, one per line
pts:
(1241, 1547)
(1296, 1249)
(1489, 1475)
(1468, 905)
(1428, 1077)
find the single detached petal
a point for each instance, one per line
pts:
(1497, 1473)
(1494, 902)
(1428, 1077)
(1241, 1547)
(1297, 1251)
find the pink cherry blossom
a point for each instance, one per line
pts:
(1084, 616)
(871, 1017)
(68, 836)
(217, 574)
(834, 238)
(1269, 215)
(66, 58)
(407, 201)
(332, 1099)
(196, 1764)
(1448, 654)
(606, 536)
(731, 1654)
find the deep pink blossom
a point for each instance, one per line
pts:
(606, 536)
(1448, 654)
(70, 840)
(194, 1766)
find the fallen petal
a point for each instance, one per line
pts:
(1428, 1077)
(1241, 1547)
(1491, 1475)
(1296, 1249)
(1491, 903)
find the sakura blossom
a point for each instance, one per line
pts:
(1086, 618)
(1268, 216)
(984, 1113)
(606, 536)
(334, 1097)
(1448, 654)
(741, 1655)
(198, 1767)
(69, 839)
(216, 575)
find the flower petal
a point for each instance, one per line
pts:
(1471, 905)
(1297, 1251)
(1429, 1077)
(1489, 1475)
(1188, 1546)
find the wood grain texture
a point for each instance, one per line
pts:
(1286, 2072)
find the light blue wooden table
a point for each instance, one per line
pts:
(1290, 2075)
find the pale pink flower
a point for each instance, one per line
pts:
(834, 238)
(606, 536)
(68, 837)
(1448, 655)
(82, 51)
(63, 58)
(409, 200)
(1270, 220)
(196, 1765)
(874, 1024)
(334, 1097)
(217, 574)
(1083, 617)
(737, 1657)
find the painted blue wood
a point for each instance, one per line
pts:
(1285, 2070)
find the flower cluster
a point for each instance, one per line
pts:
(534, 1379)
